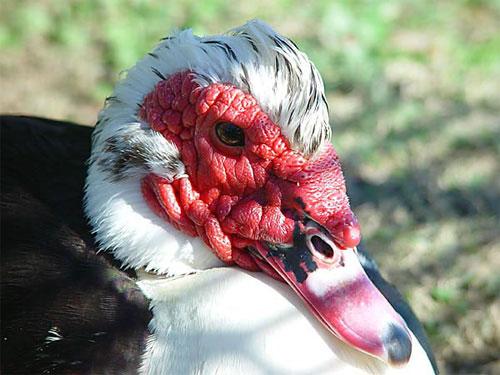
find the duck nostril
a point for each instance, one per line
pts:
(322, 247)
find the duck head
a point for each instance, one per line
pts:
(214, 151)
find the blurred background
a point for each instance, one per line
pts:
(414, 93)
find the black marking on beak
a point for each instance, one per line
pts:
(300, 202)
(398, 345)
(254, 252)
(296, 258)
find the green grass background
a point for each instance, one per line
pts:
(414, 93)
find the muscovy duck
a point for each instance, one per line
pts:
(213, 152)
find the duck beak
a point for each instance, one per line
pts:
(338, 292)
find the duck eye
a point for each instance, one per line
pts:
(230, 134)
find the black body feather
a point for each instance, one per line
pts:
(65, 309)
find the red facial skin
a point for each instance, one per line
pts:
(234, 196)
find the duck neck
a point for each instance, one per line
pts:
(240, 322)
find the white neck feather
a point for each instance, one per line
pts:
(231, 321)
(128, 228)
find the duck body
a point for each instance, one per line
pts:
(67, 308)
(232, 321)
